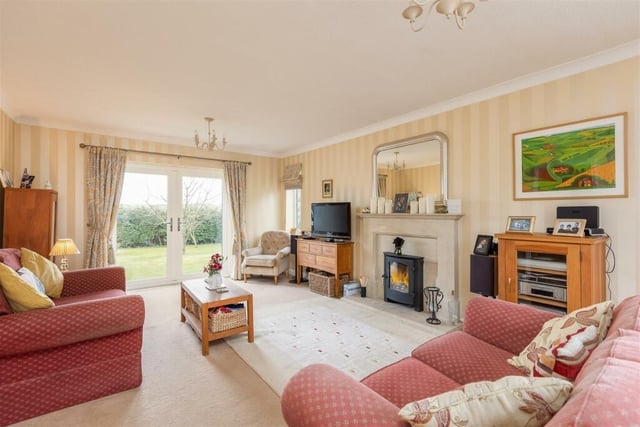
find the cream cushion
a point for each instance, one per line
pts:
(33, 280)
(509, 401)
(47, 272)
(556, 331)
(22, 295)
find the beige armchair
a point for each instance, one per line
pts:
(270, 258)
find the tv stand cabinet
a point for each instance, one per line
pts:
(332, 257)
(577, 264)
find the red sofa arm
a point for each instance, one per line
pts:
(78, 282)
(67, 324)
(323, 396)
(504, 324)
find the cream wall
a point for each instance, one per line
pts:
(425, 180)
(481, 158)
(480, 165)
(55, 155)
(7, 127)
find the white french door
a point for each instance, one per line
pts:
(169, 223)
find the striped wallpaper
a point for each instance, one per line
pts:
(481, 158)
(54, 155)
(480, 165)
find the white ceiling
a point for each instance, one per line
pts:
(280, 77)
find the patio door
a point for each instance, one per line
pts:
(169, 224)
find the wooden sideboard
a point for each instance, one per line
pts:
(333, 257)
(29, 219)
(577, 262)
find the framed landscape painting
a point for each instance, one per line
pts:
(585, 159)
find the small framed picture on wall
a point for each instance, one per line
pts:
(327, 188)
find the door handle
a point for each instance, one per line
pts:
(180, 222)
(170, 224)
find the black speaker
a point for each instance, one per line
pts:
(294, 251)
(484, 275)
(590, 213)
(294, 244)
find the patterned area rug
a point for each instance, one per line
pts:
(351, 337)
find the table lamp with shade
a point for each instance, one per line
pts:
(64, 247)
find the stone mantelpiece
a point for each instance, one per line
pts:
(435, 237)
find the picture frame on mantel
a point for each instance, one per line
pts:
(582, 159)
(401, 203)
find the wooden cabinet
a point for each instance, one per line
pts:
(29, 219)
(332, 257)
(543, 270)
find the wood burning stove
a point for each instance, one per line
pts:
(403, 281)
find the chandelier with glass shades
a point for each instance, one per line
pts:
(396, 164)
(212, 141)
(459, 9)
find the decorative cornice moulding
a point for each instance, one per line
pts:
(606, 57)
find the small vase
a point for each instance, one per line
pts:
(214, 280)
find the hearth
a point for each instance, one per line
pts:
(403, 279)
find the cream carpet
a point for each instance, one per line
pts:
(353, 334)
(181, 387)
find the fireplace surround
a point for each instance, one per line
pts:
(433, 236)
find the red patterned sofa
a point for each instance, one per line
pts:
(85, 347)
(605, 391)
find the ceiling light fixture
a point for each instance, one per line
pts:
(459, 9)
(396, 164)
(212, 141)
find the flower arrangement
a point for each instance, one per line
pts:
(363, 280)
(215, 264)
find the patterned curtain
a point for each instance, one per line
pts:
(382, 185)
(292, 177)
(104, 187)
(235, 178)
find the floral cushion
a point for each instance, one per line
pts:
(556, 330)
(509, 401)
(566, 359)
(272, 241)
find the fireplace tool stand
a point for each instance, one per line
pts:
(433, 296)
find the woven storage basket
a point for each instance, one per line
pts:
(223, 321)
(323, 284)
(191, 306)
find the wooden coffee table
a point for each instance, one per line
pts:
(207, 299)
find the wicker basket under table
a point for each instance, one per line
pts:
(196, 299)
(219, 321)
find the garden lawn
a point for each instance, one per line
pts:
(151, 262)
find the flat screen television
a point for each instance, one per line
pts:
(331, 220)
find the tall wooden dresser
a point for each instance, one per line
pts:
(29, 219)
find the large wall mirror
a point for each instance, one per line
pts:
(417, 164)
